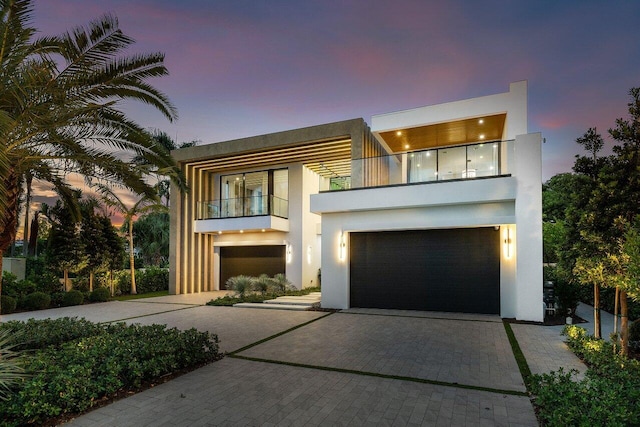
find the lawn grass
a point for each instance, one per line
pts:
(139, 296)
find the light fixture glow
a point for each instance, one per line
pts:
(481, 136)
(342, 247)
(480, 121)
(406, 146)
(508, 243)
(219, 232)
(263, 230)
(398, 133)
(428, 153)
(241, 231)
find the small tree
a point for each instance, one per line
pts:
(143, 205)
(65, 247)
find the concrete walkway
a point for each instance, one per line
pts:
(357, 367)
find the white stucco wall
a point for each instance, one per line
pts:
(514, 103)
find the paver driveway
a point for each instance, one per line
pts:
(335, 369)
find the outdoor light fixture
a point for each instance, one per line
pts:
(507, 243)
(289, 253)
(342, 246)
(309, 254)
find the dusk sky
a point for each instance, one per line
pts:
(240, 68)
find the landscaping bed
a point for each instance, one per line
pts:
(608, 395)
(74, 365)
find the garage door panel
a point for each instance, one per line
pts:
(438, 270)
(250, 261)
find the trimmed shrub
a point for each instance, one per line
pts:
(36, 334)
(100, 295)
(608, 395)
(152, 279)
(57, 298)
(73, 297)
(77, 374)
(8, 304)
(10, 285)
(36, 301)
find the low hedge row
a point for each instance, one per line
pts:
(608, 395)
(75, 363)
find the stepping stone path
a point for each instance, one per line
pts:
(298, 303)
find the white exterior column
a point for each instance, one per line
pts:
(528, 243)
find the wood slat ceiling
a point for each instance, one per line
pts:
(323, 157)
(489, 128)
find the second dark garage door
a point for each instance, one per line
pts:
(455, 270)
(250, 261)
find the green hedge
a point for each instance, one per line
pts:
(148, 280)
(73, 297)
(100, 295)
(77, 363)
(608, 395)
(7, 304)
(36, 301)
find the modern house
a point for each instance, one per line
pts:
(436, 208)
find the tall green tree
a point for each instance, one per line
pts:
(60, 109)
(130, 212)
(151, 233)
(65, 246)
(599, 221)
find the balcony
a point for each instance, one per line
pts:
(462, 162)
(243, 207)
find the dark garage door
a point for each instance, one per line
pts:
(456, 270)
(250, 261)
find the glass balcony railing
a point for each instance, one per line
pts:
(243, 207)
(442, 164)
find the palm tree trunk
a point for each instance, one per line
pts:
(65, 278)
(624, 324)
(132, 263)
(25, 238)
(91, 281)
(597, 330)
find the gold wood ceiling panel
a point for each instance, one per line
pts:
(488, 128)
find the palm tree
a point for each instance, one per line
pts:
(60, 110)
(143, 205)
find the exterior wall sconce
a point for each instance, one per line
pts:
(289, 253)
(508, 243)
(309, 254)
(342, 246)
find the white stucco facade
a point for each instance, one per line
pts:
(382, 195)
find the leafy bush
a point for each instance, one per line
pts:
(37, 334)
(9, 284)
(608, 395)
(8, 304)
(57, 298)
(77, 374)
(148, 280)
(100, 295)
(36, 301)
(81, 284)
(152, 279)
(567, 294)
(73, 297)
(228, 300)
(240, 284)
